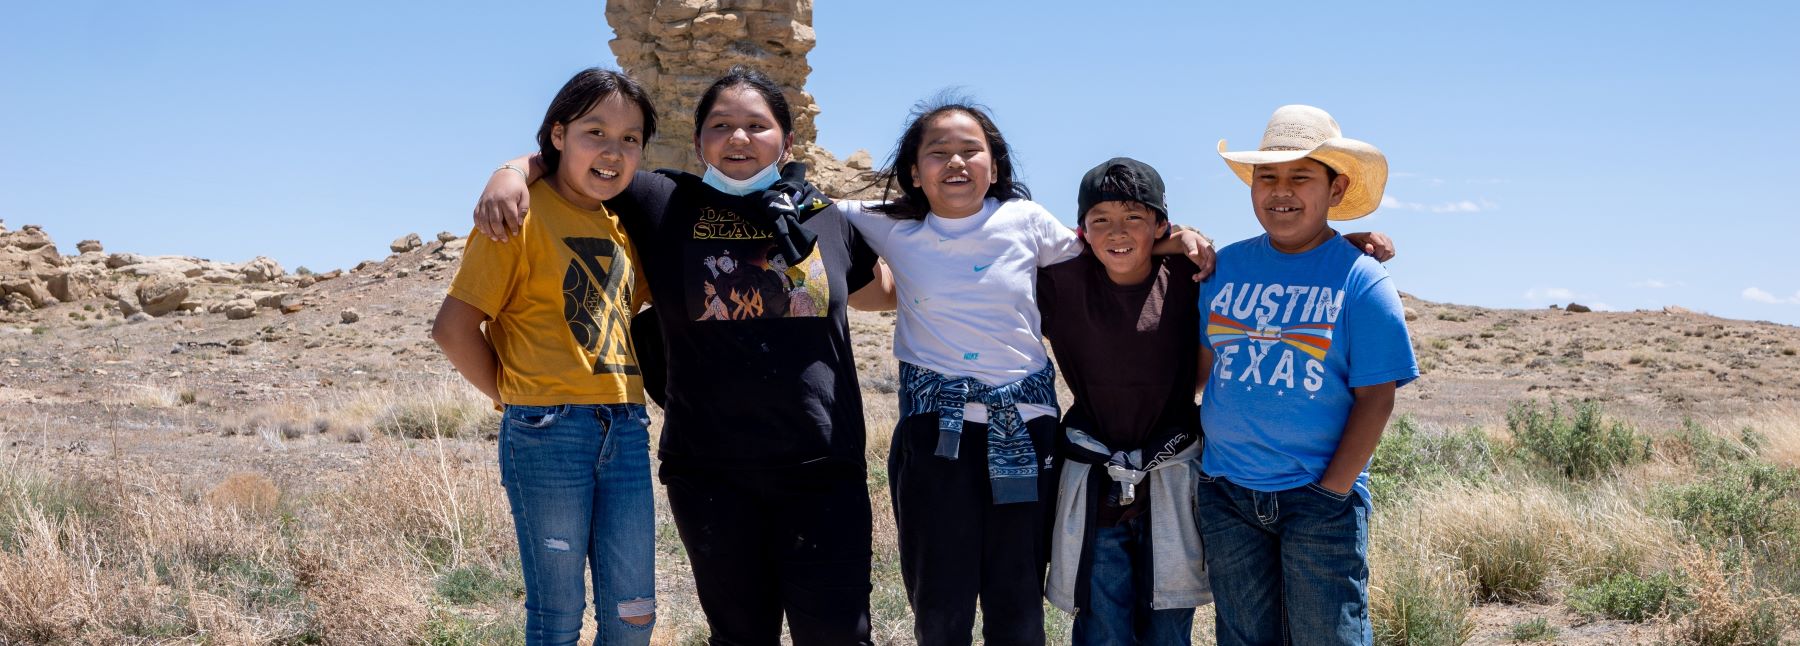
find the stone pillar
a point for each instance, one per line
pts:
(677, 48)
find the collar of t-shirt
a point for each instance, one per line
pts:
(958, 226)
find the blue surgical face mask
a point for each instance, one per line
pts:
(762, 180)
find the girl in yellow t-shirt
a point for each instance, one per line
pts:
(556, 353)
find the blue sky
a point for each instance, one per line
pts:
(1621, 156)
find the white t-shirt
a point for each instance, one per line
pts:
(968, 289)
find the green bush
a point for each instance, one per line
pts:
(1630, 597)
(1408, 456)
(1583, 446)
(1752, 504)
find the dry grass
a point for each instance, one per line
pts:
(414, 542)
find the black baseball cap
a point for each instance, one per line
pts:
(1142, 184)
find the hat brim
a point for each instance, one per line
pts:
(1362, 162)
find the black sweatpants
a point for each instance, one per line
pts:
(956, 545)
(764, 544)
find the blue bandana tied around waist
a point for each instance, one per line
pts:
(1012, 462)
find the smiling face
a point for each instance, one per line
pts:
(600, 151)
(1121, 234)
(1291, 200)
(955, 166)
(740, 136)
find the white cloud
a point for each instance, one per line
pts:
(1657, 284)
(1457, 206)
(1758, 295)
(1550, 294)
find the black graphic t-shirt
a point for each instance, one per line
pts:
(1127, 353)
(758, 370)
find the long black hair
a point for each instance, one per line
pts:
(911, 203)
(584, 91)
(756, 81)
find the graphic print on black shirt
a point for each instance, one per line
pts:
(735, 273)
(588, 287)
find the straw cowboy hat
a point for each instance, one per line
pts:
(1297, 131)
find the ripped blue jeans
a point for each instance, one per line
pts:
(578, 479)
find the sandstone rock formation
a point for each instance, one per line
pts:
(677, 48)
(34, 276)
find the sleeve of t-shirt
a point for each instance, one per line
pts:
(872, 227)
(862, 260)
(1056, 242)
(488, 273)
(640, 206)
(1380, 348)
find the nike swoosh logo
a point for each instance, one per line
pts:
(983, 267)
(943, 239)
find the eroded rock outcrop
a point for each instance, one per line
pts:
(33, 275)
(677, 48)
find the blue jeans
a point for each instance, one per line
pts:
(1287, 566)
(1118, 610)
(578, 478)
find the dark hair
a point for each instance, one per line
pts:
(756, 81)
(1123, 180)
(584, 91)
(911, 204)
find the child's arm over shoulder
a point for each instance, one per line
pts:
(1189, 242)
(1372, 243)
(500, 211)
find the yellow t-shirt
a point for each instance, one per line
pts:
(559, 297)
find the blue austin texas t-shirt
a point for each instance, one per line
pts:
(1291, 335)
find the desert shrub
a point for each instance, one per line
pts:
(1729, 609)
(1408, 457)
(246, 493)
(1751, 504)
(1582, 446)
(56, 498)
(1535, 629)
(1630, 597)
(291, 429)
(428, 416)
(1420, 602)
(1708, 451)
